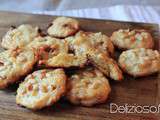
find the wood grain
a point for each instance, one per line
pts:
(139, 91)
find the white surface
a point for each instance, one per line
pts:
(81, 4)
(126, 13)
(30, 5)
(127, 10)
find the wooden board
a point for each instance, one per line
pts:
(141, 91)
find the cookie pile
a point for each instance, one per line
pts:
(47, 62)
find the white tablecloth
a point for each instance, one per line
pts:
(126, 13)
(128, 10)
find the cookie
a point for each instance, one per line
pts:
(41, 88)
(44, 42)
(101, 42)
(106, 65)
(55, 53)
(87, 87)
(140, 61)
(62, 27)
(129, 39)
(19, 37)
(14, 64)
(98, 41)
(97, 57)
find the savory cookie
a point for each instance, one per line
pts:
(101, 42)
(41, 88)
(98, 41)
(128, 39)
(55, 53)
(63, 26)
(87, 87)
(106, 65)
(19, 37)
(140, 61)
(43, 42)
(82, 46)
(14, 64)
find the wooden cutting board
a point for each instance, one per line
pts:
(139, 91)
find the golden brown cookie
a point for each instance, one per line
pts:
(41, 88)
(101, 42)
(14, 64)
(106, 65)
(140, 61)
(55, 53)
(129, 39)
(83, 46)
(97, 40)
(87, 87)
(63, 26)
(19, 37)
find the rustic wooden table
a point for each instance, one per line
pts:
(140, 91)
